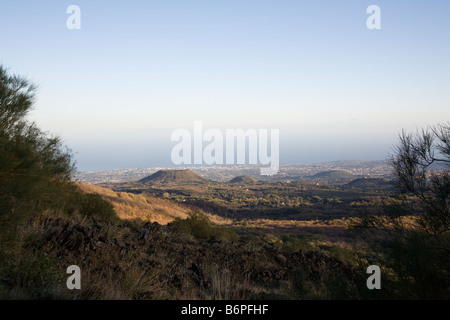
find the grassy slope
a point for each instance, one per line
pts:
(144, 207)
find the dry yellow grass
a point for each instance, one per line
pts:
(139, 206)
(145, 207)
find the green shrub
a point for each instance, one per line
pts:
(30, 274)
(200, 226)
(93, 205)
(34, 167)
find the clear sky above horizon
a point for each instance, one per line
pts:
(136, 70)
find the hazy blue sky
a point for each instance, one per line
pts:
(136, 70)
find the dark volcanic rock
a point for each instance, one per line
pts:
(190, 267)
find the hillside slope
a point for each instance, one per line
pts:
(146, 207)
(139, 206)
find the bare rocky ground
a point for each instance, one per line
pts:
(137, 260)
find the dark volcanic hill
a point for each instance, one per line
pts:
(243, 179)
(173, 176)
(369, 182)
